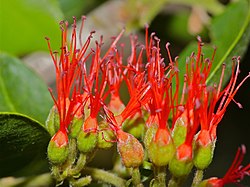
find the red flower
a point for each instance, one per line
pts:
(235, 173)
(69, 100)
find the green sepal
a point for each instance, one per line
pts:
(180, 168)
(75, 127)
(105, 136)
(53, 122)
(57, 154)
(203, 155)
(179, 132)
(161, 152)
(149, 135)
(86, 141)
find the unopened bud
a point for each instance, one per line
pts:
(149, 135)
(161, 149)
(130, 149)
(212, 182)
(86, 141)
(87, 137)
(58, 148)
(181, 164)
(204, 150)
(53, 122)
(179, 132)
(75, 126)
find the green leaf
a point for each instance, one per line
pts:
(23, 143)
(24, 24)
(230, 33)
(21, 90)
(230, 37)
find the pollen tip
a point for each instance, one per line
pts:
(207, 60)
(167, 45)
(146, 25)
(47, 38)
(234, 58)
(83, 17)
(92, 32)
(199, 39)
(152, 34)
(238, 58)
(243, 149)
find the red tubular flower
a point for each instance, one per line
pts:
(163, 103)
(115, 78)
(235, 173)
(69, 76)
(96, 82)
(69, 103)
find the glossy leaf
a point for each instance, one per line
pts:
(24, 24)
(230, 34)
(21, 90)
(23, 143)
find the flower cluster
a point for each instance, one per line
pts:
(176, 121)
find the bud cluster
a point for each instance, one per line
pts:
(169, 121)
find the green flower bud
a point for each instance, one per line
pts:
(179, 132)
(149, 135)
(58, 148)
(53, 122)
(75, 127)
(86, 141)
(181, 164)
(130, 149)
(105, 136)
(161, 149)
(204, 150)
(87, 137)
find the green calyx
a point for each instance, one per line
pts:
(130, 150)
(161, 148)
(180, 168)
(53, 122)
(203, 155)
(75, 127)
(86, 141)
(105, 136)
(149, 135)
(58, 152)
(179, 132)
